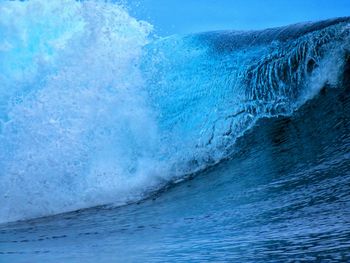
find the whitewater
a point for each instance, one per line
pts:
(73, 108)
(227, 146)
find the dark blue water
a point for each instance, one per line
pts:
(214, 147)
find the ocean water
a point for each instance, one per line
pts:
(117, 145)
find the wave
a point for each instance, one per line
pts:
(94, 111)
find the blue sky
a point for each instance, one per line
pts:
(186, 16)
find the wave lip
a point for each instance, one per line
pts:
(227, 40)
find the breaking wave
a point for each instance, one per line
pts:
(94, 110)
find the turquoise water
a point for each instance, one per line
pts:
(121, 146)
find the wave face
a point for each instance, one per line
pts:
(210, 88)
(94, 111)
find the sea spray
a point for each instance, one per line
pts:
(76, 130)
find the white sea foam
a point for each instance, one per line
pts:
(75, 128)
